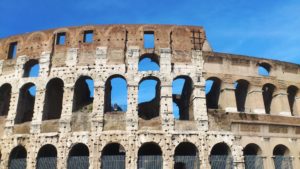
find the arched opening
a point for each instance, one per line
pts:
(83, 94)
(220, 157)
(53, 99)
(212, 90)
(149, 62)
(78, 157)
(186, 156)
(26, 101)
(252, 157)
(149, 98)
(150, 156)
(116, 94)
(17, 158)
(182, 89)
(113, 156)
(264, 69)
(268, 90)
(5, 94)
(31, 68)
(241, 91)
(47, 157)
(292, 93)
(282, 158)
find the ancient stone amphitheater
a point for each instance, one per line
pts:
(231, 114)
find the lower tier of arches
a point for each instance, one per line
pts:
(144, 150)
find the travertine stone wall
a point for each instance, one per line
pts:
(116, 50)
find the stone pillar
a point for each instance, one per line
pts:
(132, 112)
(254, 100)
(44, 63)
(10, 119)
(238, 158)
(166, 100)
(296, 108)
(1, 66)
(98, 106)
(280, 103)
(38, 109)
(19, 67)
(227, 100)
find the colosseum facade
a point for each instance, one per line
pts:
(244, 119)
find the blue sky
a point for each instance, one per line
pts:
(268, 28)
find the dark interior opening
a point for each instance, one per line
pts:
(83, 93)
(241, 92)
(212, 94)
(5, 95)
(53, 99)
(292, 93)
(268, 90)
(150, 149)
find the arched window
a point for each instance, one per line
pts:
(182, 89)
(212, 90)
(241, 91)
(268, 90)
(149, 98)
(17, 158)
(252, 157)
(220, 155)
(148, 62)
(186, 156)
(292, 93)
(264, 69)
(26, 101)
(78, 156)
(282, 158)
(5, 94)
(83, 94)
(53, 99)
(150, 156)
(31, 68)
(116, 94)
(113, 156)
(47, 157)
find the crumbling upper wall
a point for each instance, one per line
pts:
(117, 38)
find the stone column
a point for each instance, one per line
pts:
(254, 100)
(227, 100)
(38, 109)
(280, 103)
(19, 67)
(44, 63)
(98, 106)
(1, 66)
(296, 108)
(10, 119)
(238, 158)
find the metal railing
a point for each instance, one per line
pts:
(188, 162)
(113, 162)
(78, 162)
(283, 162)
(221, 162)
(150, 162)
(18, 163)
(46, 163)
(253, 162)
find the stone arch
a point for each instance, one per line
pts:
(282, 158)
(83, 93)
(150, 154)
(113, 156)
(252, 156)
(186, 156)
(241, 91)
(5, 95)
(53, 99)
(220, 156)
(25, 107)
(264, 69)
(78, 156)
(31, 68)
(47, 156)
(268, 91)
(115, 83)
(212, 89)
(148, 109)
(17, 158)
(149, 62)
(292, 92)
(184, 97)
